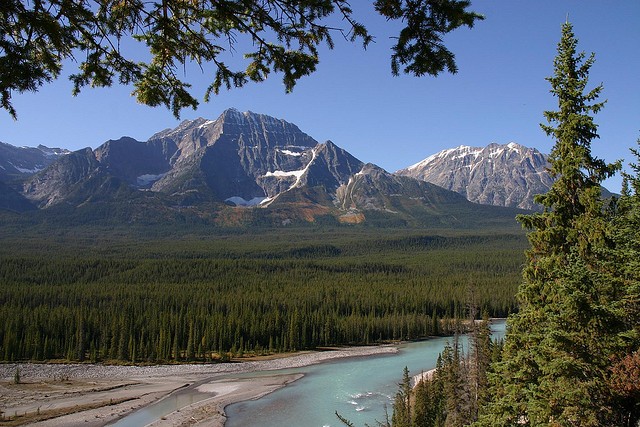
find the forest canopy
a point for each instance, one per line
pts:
(209, 297)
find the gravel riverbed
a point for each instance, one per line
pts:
(56, 371)
(95, 395)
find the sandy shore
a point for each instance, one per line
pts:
(427, 375)
(56, 395)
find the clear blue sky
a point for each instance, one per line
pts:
(498, 95)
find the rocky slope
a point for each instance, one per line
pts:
(213, 170)
(20, 162)
(503, 175)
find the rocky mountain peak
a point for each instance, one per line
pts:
(21, 162)
(263, 131)
(504, 175)
(217, 168)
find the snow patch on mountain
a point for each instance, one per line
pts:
(147, 180)
(206, 124)
(460, 152)
(515, 147)
(240, 201)
(290, 153)
(25, 170)
(284, 174)
(306, 168)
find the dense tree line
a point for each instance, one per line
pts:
(212, 298)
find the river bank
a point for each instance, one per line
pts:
(92, 395)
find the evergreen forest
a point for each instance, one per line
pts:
(128, 295)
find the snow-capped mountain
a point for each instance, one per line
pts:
(503, 175)
(19, 162)
(213, 170)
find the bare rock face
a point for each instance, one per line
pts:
(503, 175)
(54, 184)
(373, 188)
(137, 163)
(206, 168)
(239, 156)
(329, 167)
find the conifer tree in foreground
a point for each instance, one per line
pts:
(625, 372)
(572, 352)
(402, 404)
(556, 362)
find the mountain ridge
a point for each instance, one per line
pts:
(19, 162)
(503, 175)
(215, 169)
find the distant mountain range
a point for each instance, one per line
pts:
(20, 162)
(242, 169)
(501, 175)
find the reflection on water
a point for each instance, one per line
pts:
(359, 389)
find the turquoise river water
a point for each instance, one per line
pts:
(358, 389)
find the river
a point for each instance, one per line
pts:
(358, 389)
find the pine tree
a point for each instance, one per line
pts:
(402, 403)
(625, 372)
(16, 376)
(627, 236)
(423, 411)
(190, 344)
(479, 359)
(454, 385)
(558, 346)
(80, 337)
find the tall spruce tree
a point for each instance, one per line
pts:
(402, 402)
(557, 352)
(479, 359)
(625, 372)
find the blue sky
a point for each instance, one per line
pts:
(498, 95)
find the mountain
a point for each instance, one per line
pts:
(241, 157)
(502, 175)
(240, 169)
(74, 179)
(376, 190)
(19, 162)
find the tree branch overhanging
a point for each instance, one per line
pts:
(36, 37)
